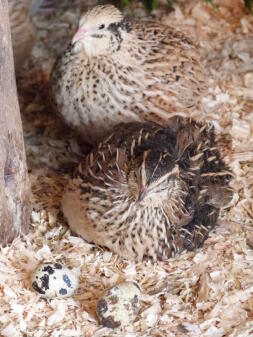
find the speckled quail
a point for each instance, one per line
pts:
(149, 191)
(121, 70)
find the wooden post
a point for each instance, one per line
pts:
(14, 182)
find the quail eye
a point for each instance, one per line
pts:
(101, 26)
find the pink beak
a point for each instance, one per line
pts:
(79, 35)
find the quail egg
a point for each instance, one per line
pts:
(119, 306)
(54, 280)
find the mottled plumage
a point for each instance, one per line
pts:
(120, 70)
(149, 191)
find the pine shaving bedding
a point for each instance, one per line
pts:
(204, 293)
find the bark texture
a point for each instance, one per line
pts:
(14, 182)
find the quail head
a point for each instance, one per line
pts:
(121, 70)
(149, 191)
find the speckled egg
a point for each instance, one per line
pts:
(119, 306)
(54, 280)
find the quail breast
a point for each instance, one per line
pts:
(149, 191)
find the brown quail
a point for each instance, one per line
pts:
(121, 70)
(149, 191)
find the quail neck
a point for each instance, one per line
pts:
(118, 69)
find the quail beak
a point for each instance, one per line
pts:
(79, 35)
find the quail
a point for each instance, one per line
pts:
(149, 192)
(118, 69)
